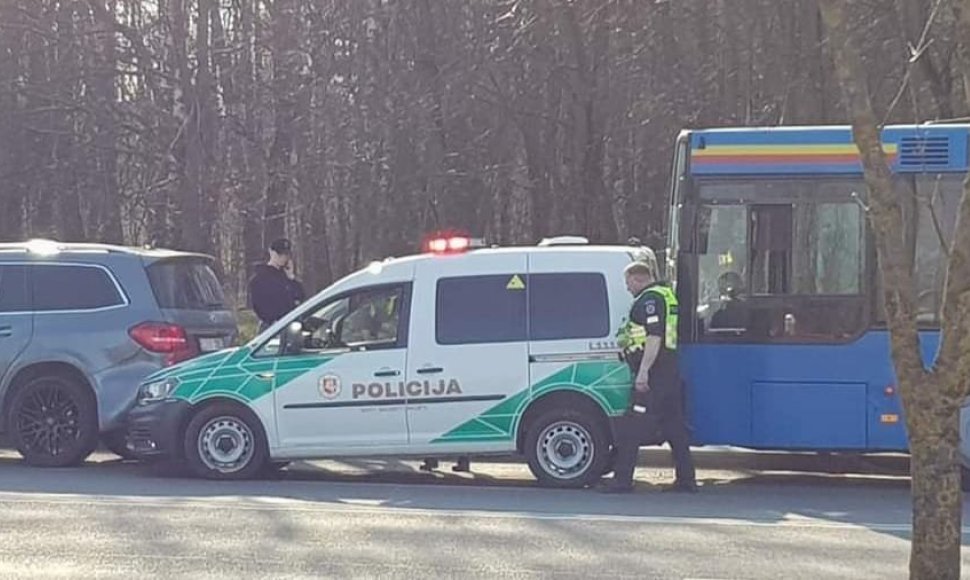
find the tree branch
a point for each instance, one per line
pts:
(953, 357)
(915, 54)
(886, 214)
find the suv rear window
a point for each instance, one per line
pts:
(73, 287)
(186, 284)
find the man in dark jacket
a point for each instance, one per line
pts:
(274, 289)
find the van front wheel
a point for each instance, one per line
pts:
(567, 448)
(225, 441)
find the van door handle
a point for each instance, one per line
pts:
(430, 370)
(266, 376)
(387, 373)
(6, 331)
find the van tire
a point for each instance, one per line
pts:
(225, 441)
(49, 400)
(555, 438)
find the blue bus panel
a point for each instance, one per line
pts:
(777, 394)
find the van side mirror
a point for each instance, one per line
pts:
(293, 341)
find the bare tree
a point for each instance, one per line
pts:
(932, 396)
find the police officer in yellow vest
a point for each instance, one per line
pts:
(649, 342)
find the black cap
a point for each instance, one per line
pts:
(280, 246)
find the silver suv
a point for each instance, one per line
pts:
(81, 325)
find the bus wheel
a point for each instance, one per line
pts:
(225, 441)
(567, 448)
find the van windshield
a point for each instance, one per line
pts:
(186, 284)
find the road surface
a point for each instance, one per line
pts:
(384, 519)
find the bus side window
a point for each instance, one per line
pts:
(771, 251)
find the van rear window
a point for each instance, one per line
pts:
(513, 307)
(568, 306)
(186, 284)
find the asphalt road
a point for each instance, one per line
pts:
(385, 519)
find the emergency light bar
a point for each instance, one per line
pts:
(450, 243)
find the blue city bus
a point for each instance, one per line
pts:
(784, 341)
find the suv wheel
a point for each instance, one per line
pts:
(54, 421)
(567, 448)
(225, 441)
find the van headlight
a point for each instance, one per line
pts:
(157, 390)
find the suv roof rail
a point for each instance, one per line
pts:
(47, 247)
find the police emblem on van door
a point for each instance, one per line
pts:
(329, 386)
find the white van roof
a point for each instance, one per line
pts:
(392, 268)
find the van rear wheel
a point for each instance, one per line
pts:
(225, 441)
(567, 448)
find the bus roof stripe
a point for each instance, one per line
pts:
(768, 159)
(784, 150)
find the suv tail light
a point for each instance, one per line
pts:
(168, 339)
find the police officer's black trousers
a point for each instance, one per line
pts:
(664, 421)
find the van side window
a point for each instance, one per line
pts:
(14, 296)
(73, 288)
(373, 318)
(481, 309)
(568, 306)
(368, 319)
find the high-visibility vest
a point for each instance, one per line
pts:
(632, 337)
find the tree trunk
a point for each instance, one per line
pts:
(286, 60)
(932, 412)
(937, 497)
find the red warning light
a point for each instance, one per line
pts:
(447, 243)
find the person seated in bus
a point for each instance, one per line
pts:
(733, 313)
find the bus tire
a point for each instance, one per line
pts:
(567, 448)
(225, 441)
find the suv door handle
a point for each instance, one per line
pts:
(6, 331)
(387, 373)
(430, 370)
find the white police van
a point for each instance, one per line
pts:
(460, 351)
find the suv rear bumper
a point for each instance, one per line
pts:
(155, 429)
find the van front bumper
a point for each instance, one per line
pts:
(155, 429)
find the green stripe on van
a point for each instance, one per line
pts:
(606, 382)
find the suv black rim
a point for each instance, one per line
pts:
(47, 421)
